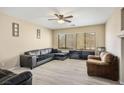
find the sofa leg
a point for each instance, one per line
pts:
(21, 65)
(31, 68)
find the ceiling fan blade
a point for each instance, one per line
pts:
(52, 19)
(67, 21)
(69, 16)
(56, 15)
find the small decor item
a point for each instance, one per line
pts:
(38, 33)
(15, 29)
(100, 49)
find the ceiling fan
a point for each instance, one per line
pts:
(61, 18)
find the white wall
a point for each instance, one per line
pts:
(113, 42)
(113, 27)
(11, 47)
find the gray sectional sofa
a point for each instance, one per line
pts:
(35, 58)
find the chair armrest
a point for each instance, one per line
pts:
(97, 63)
(94, 57)
(20, 79)
(28, 60)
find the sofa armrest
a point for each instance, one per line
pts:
(94, 57)
(28, 60)
(97, 64)
(24, 78)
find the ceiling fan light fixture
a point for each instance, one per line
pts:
(61, 21)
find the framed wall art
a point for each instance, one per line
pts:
(15, 29)
(38, 33)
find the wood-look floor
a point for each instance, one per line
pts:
(68, 72)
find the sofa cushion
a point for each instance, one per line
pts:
(49, 50)
(102, 54)
(61, 54)
(44, 51)
(33, 52)
(107, 57)
(56, 51)
(43, 57)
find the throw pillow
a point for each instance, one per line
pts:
(102, 54)
(107, 57)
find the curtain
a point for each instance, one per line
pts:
(61, 41)
(70, 41)
(80, 41)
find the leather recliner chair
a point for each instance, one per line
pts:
(10, 78)
(106, 65)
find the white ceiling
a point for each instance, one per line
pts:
(40, 15)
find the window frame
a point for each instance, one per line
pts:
(75, 43)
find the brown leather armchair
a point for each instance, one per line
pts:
(106, 65)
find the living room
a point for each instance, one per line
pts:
(86, 30)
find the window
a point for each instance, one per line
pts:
(90, 41)
(86, 41)
(82, 41)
